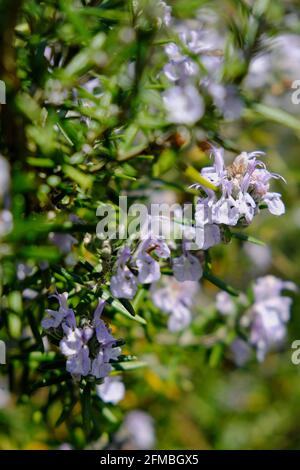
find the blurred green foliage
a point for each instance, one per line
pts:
(72, 148)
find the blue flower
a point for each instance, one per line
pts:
(269, 313)
(112, 390)
(148, 267)
(243, 187)
(64, 314)
(123, 284)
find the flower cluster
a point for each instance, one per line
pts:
(265, 319)
(172, 294)
(198, 40)
(140, 267)
(175, 299)
(269, 313)
(242, 188)
(89, 348)
(184, 105)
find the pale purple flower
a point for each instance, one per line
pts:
(24, 270)
(271, 286)
(211, 236)
(111, 352)
(279, 65)
(225, 211)
(197, 40)
(226, 99)
(224, 303)
(108, 350)
(63, 241)
(4, 177)
(148, 267)
(260, 72)
(52, 52)
(101, 366)
(215, 173)
(74, 340)
(184, 105)
(93, 86)
(156, 245)
(123, 284)
(6, 222)
(179, 70)
(241, 352)
(112, 390)
(194, 40)
(139, 428)
(260, 256)
(269, 314)
(29, 294)
(164, 13)
(65, 446)
(187, 267)
(5, 396)
(207, 233)
(103, 334)
(74, 347)
(175, 299)
(268, 329)
(180, 66)
(63, 315)
(79, 364)
(246, 207)
(173, 52)
(274, 203)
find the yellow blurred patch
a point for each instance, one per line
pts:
(168, 389)
(36, 446)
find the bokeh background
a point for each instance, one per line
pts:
(194, 402)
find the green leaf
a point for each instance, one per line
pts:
(86, 408)
(219, 283)
(40, 253)
(216, 355)
(276, 115)
(247, 238)
(67, 410)
(84, 180)
(41, 162)
(108, 414)
(128, 306)
(46, 382)
(116, 15)
(129, 365)
(196, 177)
(165, 162)
(35, 329)
(120, 308)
